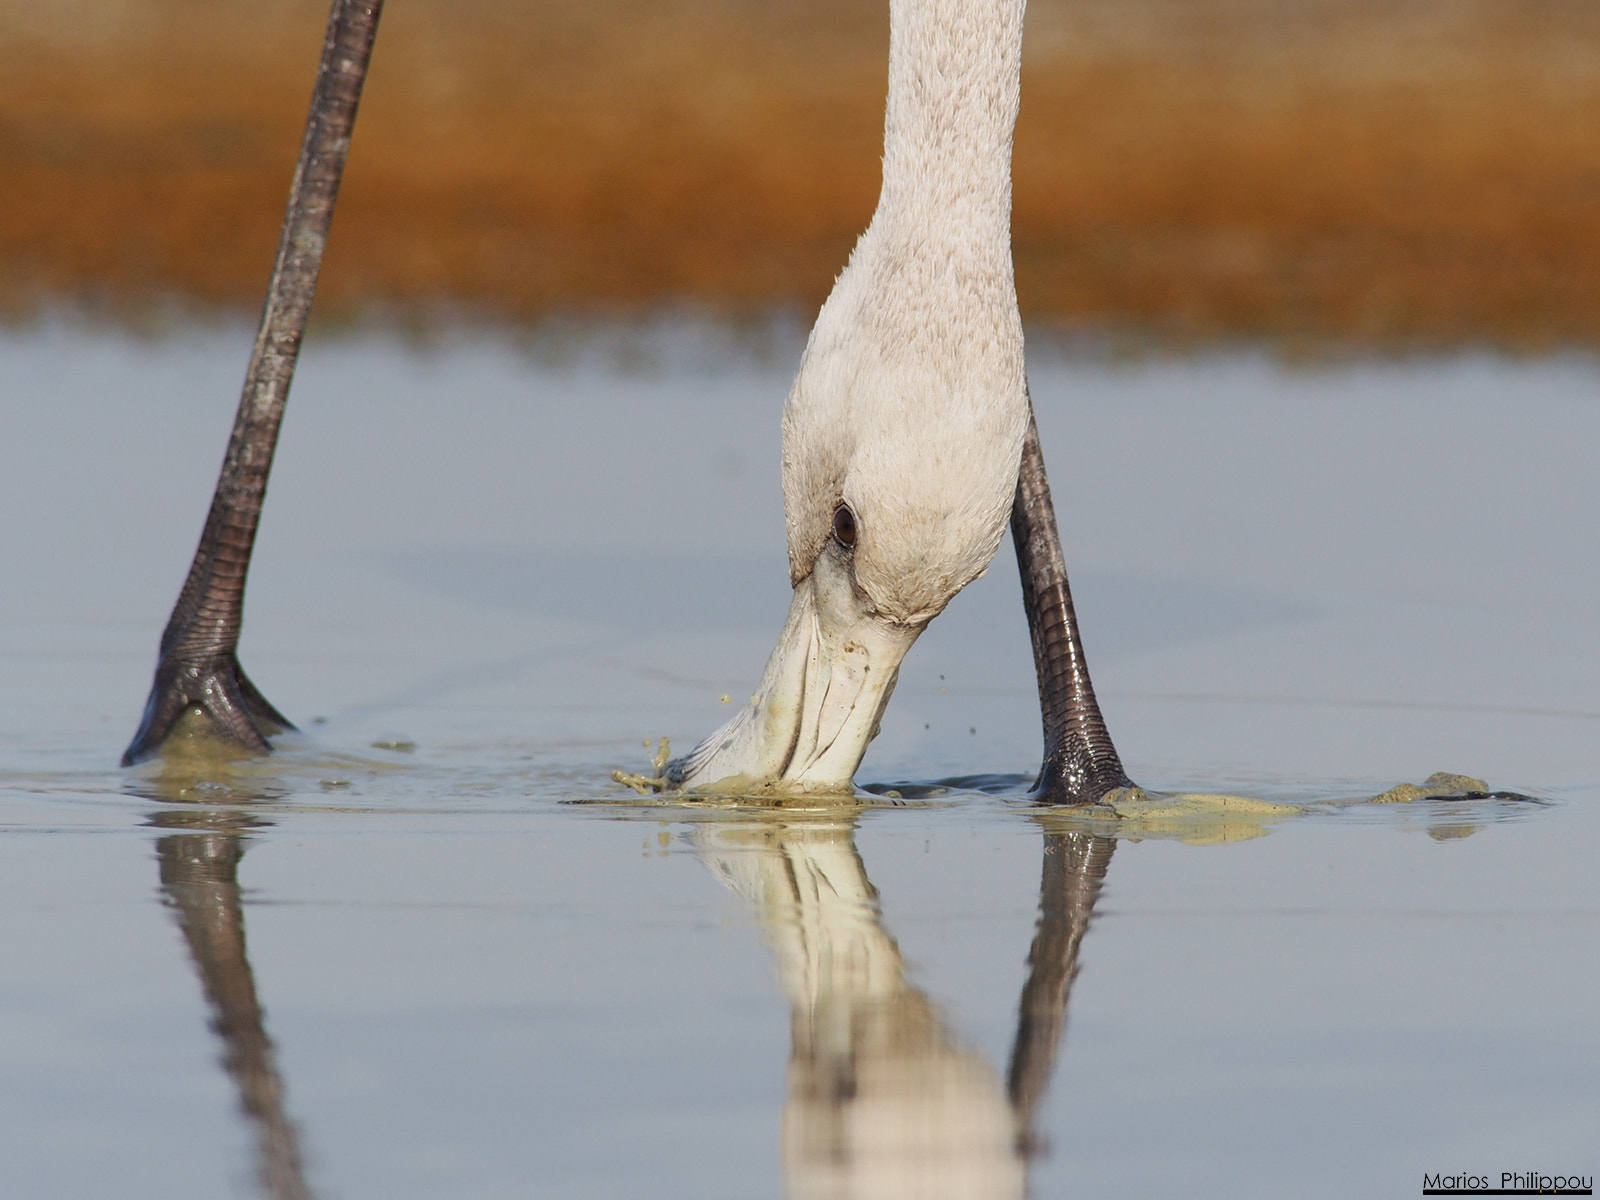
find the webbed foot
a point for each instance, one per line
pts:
(220, 693)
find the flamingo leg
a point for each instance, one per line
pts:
(198, 666)
(1080, 762)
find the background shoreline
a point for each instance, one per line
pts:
(1394, 176)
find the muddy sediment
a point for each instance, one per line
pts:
(1424, 172)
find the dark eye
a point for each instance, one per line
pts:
(844, 526)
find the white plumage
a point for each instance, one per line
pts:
(909, 407)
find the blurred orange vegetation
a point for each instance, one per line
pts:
(1409, 172)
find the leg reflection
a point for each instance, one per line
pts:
(200, 880)
(1073, 873)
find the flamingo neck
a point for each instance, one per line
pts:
(954, 82)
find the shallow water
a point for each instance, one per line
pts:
(431, 950)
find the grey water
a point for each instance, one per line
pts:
(431, 949)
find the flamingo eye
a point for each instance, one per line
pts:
(844, 526)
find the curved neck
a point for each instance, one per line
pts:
(954, 81)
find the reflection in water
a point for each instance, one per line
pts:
(1074, 869)
(200, 880)
(884, 1100)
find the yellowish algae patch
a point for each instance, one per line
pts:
(647, 785)
(781, 793)
(1439, 784)
(1202, 819)
(1195, 818)
(195, 766)
(738, 790)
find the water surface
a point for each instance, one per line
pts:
(431, 949)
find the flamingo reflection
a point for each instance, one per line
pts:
(884, 1098)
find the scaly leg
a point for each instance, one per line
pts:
(198, 667)
(1080, 763)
